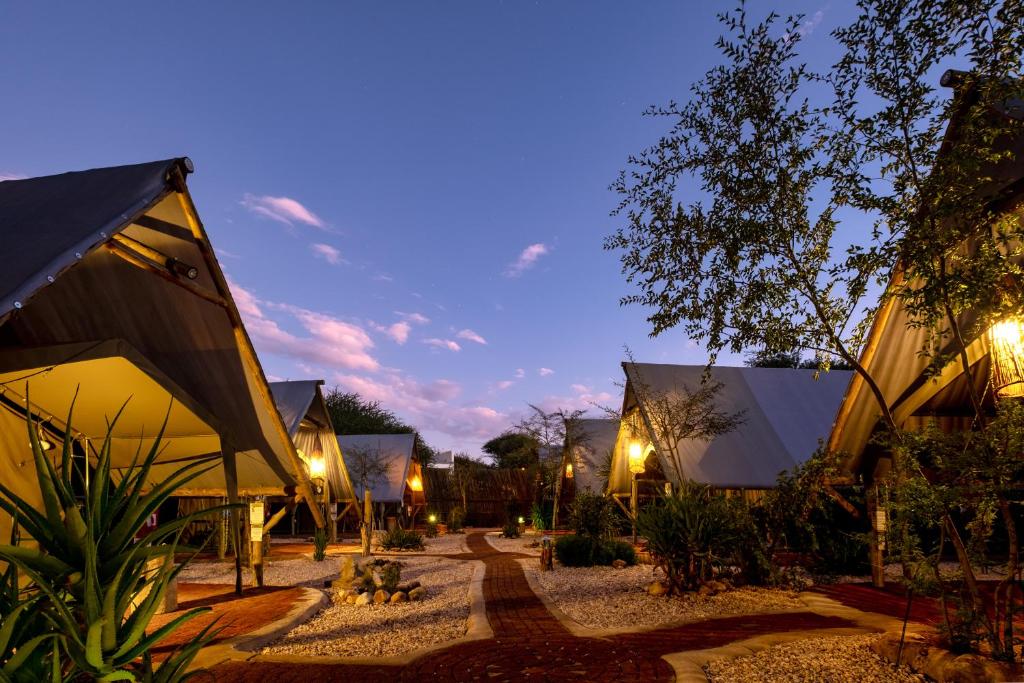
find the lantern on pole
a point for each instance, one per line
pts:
(636, 466)
(636, 458)
(1006, 342)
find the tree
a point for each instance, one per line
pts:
(464, 471)
(789, 359)
(513, 450)
(732, 219)
(351, 414)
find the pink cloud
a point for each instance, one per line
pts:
(399, 332)
(417, 318)
(472, 336)
(520, 373)
(583, 398)
(329, 341)
(327, 253)
(544, 372)
(527, 258)
(282, 209)
(504, 384)
(443, 344)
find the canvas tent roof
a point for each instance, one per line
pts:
(785, 414)
(305, 415)
(593, 440)
(394, 449)
(912, 390)
(120, 254)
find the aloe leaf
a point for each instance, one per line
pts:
(151, 640)
(94, 646)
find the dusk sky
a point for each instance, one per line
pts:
(409, 199)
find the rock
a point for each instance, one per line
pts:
(406, 587)
(351, 599)
(377, 580)
(417, 593)
(347, 570)
(705, 590)
(399, 596)
(619, 564)
(363, 599)
(657, 589)
(716, 586)
(380, 597)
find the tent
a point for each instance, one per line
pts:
(401, 485)
(589, 443)
(305, 416)
(110, 284)
(785, 413)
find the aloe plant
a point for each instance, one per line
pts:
(88, 575)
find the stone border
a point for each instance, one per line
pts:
(477, 628)
(581, 631)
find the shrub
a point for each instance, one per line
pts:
(538, 518)
(401, 539)
(511, 530)
(695, 531)
(89, 588)
(391, 576)
(620, 550)
(455, 519)
(430, 531)
(584, 551)
(320, 545)
(592, 515)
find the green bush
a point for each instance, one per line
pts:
(320, 545)
(696, 531)
(592, 515)
(75, 611)
(401, 539)
(538, 518)
(583, 551)
(430, 530)
(511, 530)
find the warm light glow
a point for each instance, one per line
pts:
(317, 467)
(416, 484)
(432, 519)
(1007, 341)
(522, 520)
(568, 470)
(636, 457)
(44, 443)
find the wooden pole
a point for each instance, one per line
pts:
(366, 528)
(256, 512)
(876, 545)
(634, 505)
(231, 478)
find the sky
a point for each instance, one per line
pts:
(409, 199)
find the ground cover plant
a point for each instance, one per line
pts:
(594, 522)
(401, 539)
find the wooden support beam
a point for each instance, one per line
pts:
(231, 477)
(615, 497)
(843, 503)
(131, 256)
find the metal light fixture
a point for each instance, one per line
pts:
(317, 467)
(568, 470)
(1006, 340)
(416, 484)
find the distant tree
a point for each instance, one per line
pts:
(464, 471)
(513, 450)
(790, 359)
(352, 414)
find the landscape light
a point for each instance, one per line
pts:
(432, 519)
(1006, 339)
(522, 520)
(568, 470)
(416, 484)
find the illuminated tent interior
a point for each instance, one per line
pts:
(305, 415)
(785, 413)
(110, 283)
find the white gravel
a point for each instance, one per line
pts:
(608, 598)
(301, 571)
(515, 545)
(343, 630)
(835, 659)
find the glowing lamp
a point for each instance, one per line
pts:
(1006, 339)
(568, 470)
(522, 520)
(317, 467)
(636, 457)
(416, 484)
(432, 519)
(44, 443)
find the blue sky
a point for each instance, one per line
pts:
(408, 198)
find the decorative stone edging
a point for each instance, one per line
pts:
(940, 664)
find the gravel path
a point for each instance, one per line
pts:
(515, 545)
(344, 630)
(834, 659)
(300, 571)
(607, 598)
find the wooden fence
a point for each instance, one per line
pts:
(492, 496)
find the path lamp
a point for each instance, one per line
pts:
(636, 467)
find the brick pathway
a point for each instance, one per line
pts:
(529, 644)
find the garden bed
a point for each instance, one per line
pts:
(608, 598)
(344, 630)
(833, 658)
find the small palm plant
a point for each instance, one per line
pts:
(88, 586)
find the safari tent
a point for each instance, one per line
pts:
(915, 392)
(302, 406)
(110, 286)
(589, 443)
(785, 414)
(386, 466)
